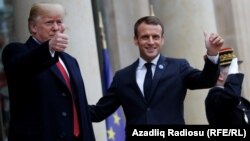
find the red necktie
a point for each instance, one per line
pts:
(67, 80)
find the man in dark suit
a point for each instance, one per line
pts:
(162, 100)
(224, 103)
(47, 94)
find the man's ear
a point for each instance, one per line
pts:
(135, 41)
(221, 77)
(32, 27)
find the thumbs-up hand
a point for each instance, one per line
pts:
(59, 42)
(213, 43)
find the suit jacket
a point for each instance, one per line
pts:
(171, 80)
(226, 106)
(40, 102)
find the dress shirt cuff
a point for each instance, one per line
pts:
(213, 59)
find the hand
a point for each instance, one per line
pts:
(213, 43)
(233, 68)
(59, 42)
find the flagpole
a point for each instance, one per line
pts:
(104, 43)
(115, 124)
(151, 10)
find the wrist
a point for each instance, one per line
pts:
(210, 53)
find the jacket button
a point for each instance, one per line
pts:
(64, 114)
(63, 94)
(62, 135)
(148, 109)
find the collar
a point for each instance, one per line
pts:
(36, 40)
(142, 61)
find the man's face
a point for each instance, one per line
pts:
(47, 25)
(149, 40)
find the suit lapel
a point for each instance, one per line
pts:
(132, 77)
(57, 72)
(160, 69)
(71, 70)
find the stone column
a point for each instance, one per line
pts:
(233, 24)
(185, 22)
(80, 28)
(242, 35)
(120, 18)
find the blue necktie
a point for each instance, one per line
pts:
(147, 81)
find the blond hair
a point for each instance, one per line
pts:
(39, 9)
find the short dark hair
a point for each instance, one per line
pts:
(153, 20)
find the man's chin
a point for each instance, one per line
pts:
(151, 54)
